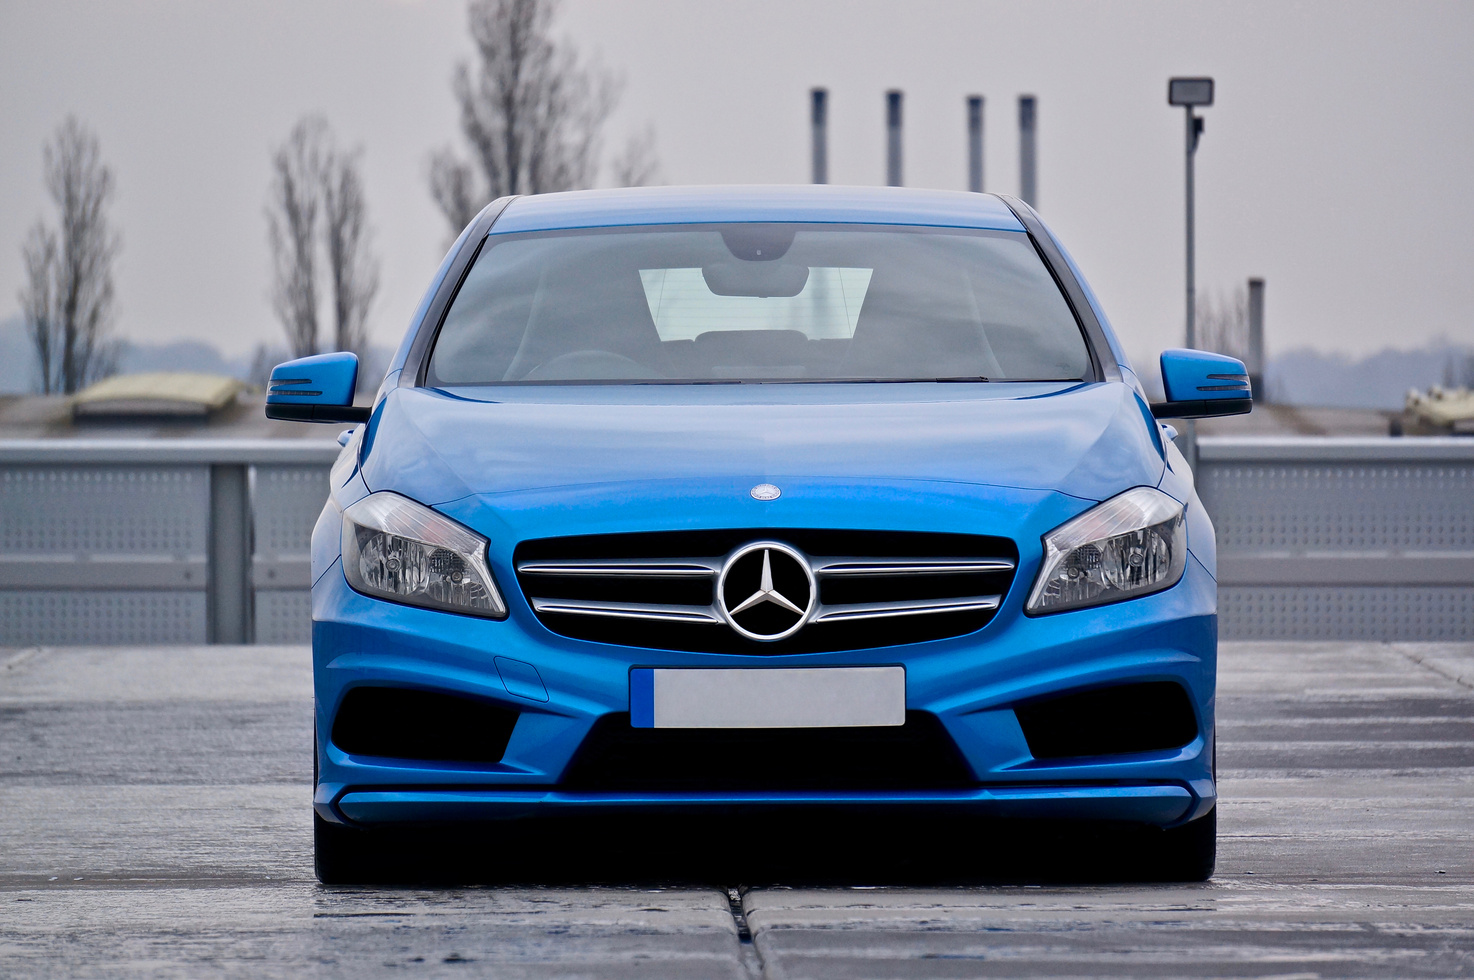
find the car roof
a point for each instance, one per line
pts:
(799, 202)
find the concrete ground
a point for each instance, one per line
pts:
(154, 822)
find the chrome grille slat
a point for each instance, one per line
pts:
(656, 611)
(840, 612)
(674, 568)
(907, 566)
(706, 614)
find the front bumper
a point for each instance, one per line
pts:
(970, 683)
(1159, 804)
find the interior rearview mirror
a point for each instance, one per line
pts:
(1201, 385)
(315, 389)
(755, 278)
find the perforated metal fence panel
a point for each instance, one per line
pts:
(111, 541)
(97, 616)
(283, 616)
(1366, 612)
(1355, 539)
(285, 503)
(101, 510)
(1340, 508)
(103, 553)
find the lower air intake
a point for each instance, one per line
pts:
(1125, 718)
(401, 723)
(617, 758)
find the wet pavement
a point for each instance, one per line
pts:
(154, 821)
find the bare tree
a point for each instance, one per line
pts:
(352, 268)
(314, 182)
(67, 300)
(1458, 368)
(637, 165)
(531, 112)
(38, 302)
(1223, 322)
(291, 217)
(264, 358)
(453, 186)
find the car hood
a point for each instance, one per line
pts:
(1086, 440)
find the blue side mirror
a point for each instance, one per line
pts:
(1201, 385)
(315, 389)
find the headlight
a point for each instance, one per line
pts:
(396, 549)
(1128, 546)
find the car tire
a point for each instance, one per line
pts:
(341, 855)
(1188, 852)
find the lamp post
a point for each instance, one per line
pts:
(893, 138)
(975, 143)
(1028, 158)
(1191, 93)
(819, 124)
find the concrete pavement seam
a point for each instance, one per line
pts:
(20, 658)
(1421, 661)
(752, 958)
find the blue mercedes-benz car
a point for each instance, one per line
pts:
(762, 496)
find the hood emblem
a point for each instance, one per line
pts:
(766, 591)
(765, 491)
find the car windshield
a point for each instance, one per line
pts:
(758, 302)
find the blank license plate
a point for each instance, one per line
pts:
(751, 697)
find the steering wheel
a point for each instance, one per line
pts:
(590, 365)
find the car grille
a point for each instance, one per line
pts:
(918, 755)
(658, 590)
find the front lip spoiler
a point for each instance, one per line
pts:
(1159, 804)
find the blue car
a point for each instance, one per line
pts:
(720, 498)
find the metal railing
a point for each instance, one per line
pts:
(1342, 538)
(158, 541)
(189, 541)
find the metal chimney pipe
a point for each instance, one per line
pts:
(1028, 181)
(1254, 359)
(819, 118)
(975, 143)
(893, 138)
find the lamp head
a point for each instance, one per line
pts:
(1190, 91)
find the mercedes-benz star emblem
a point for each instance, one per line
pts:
(765, 491)
(766, 591)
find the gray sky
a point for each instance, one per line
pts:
(1335, 164)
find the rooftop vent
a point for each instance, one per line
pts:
(169, 394)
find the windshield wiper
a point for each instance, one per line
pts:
(976, 377)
